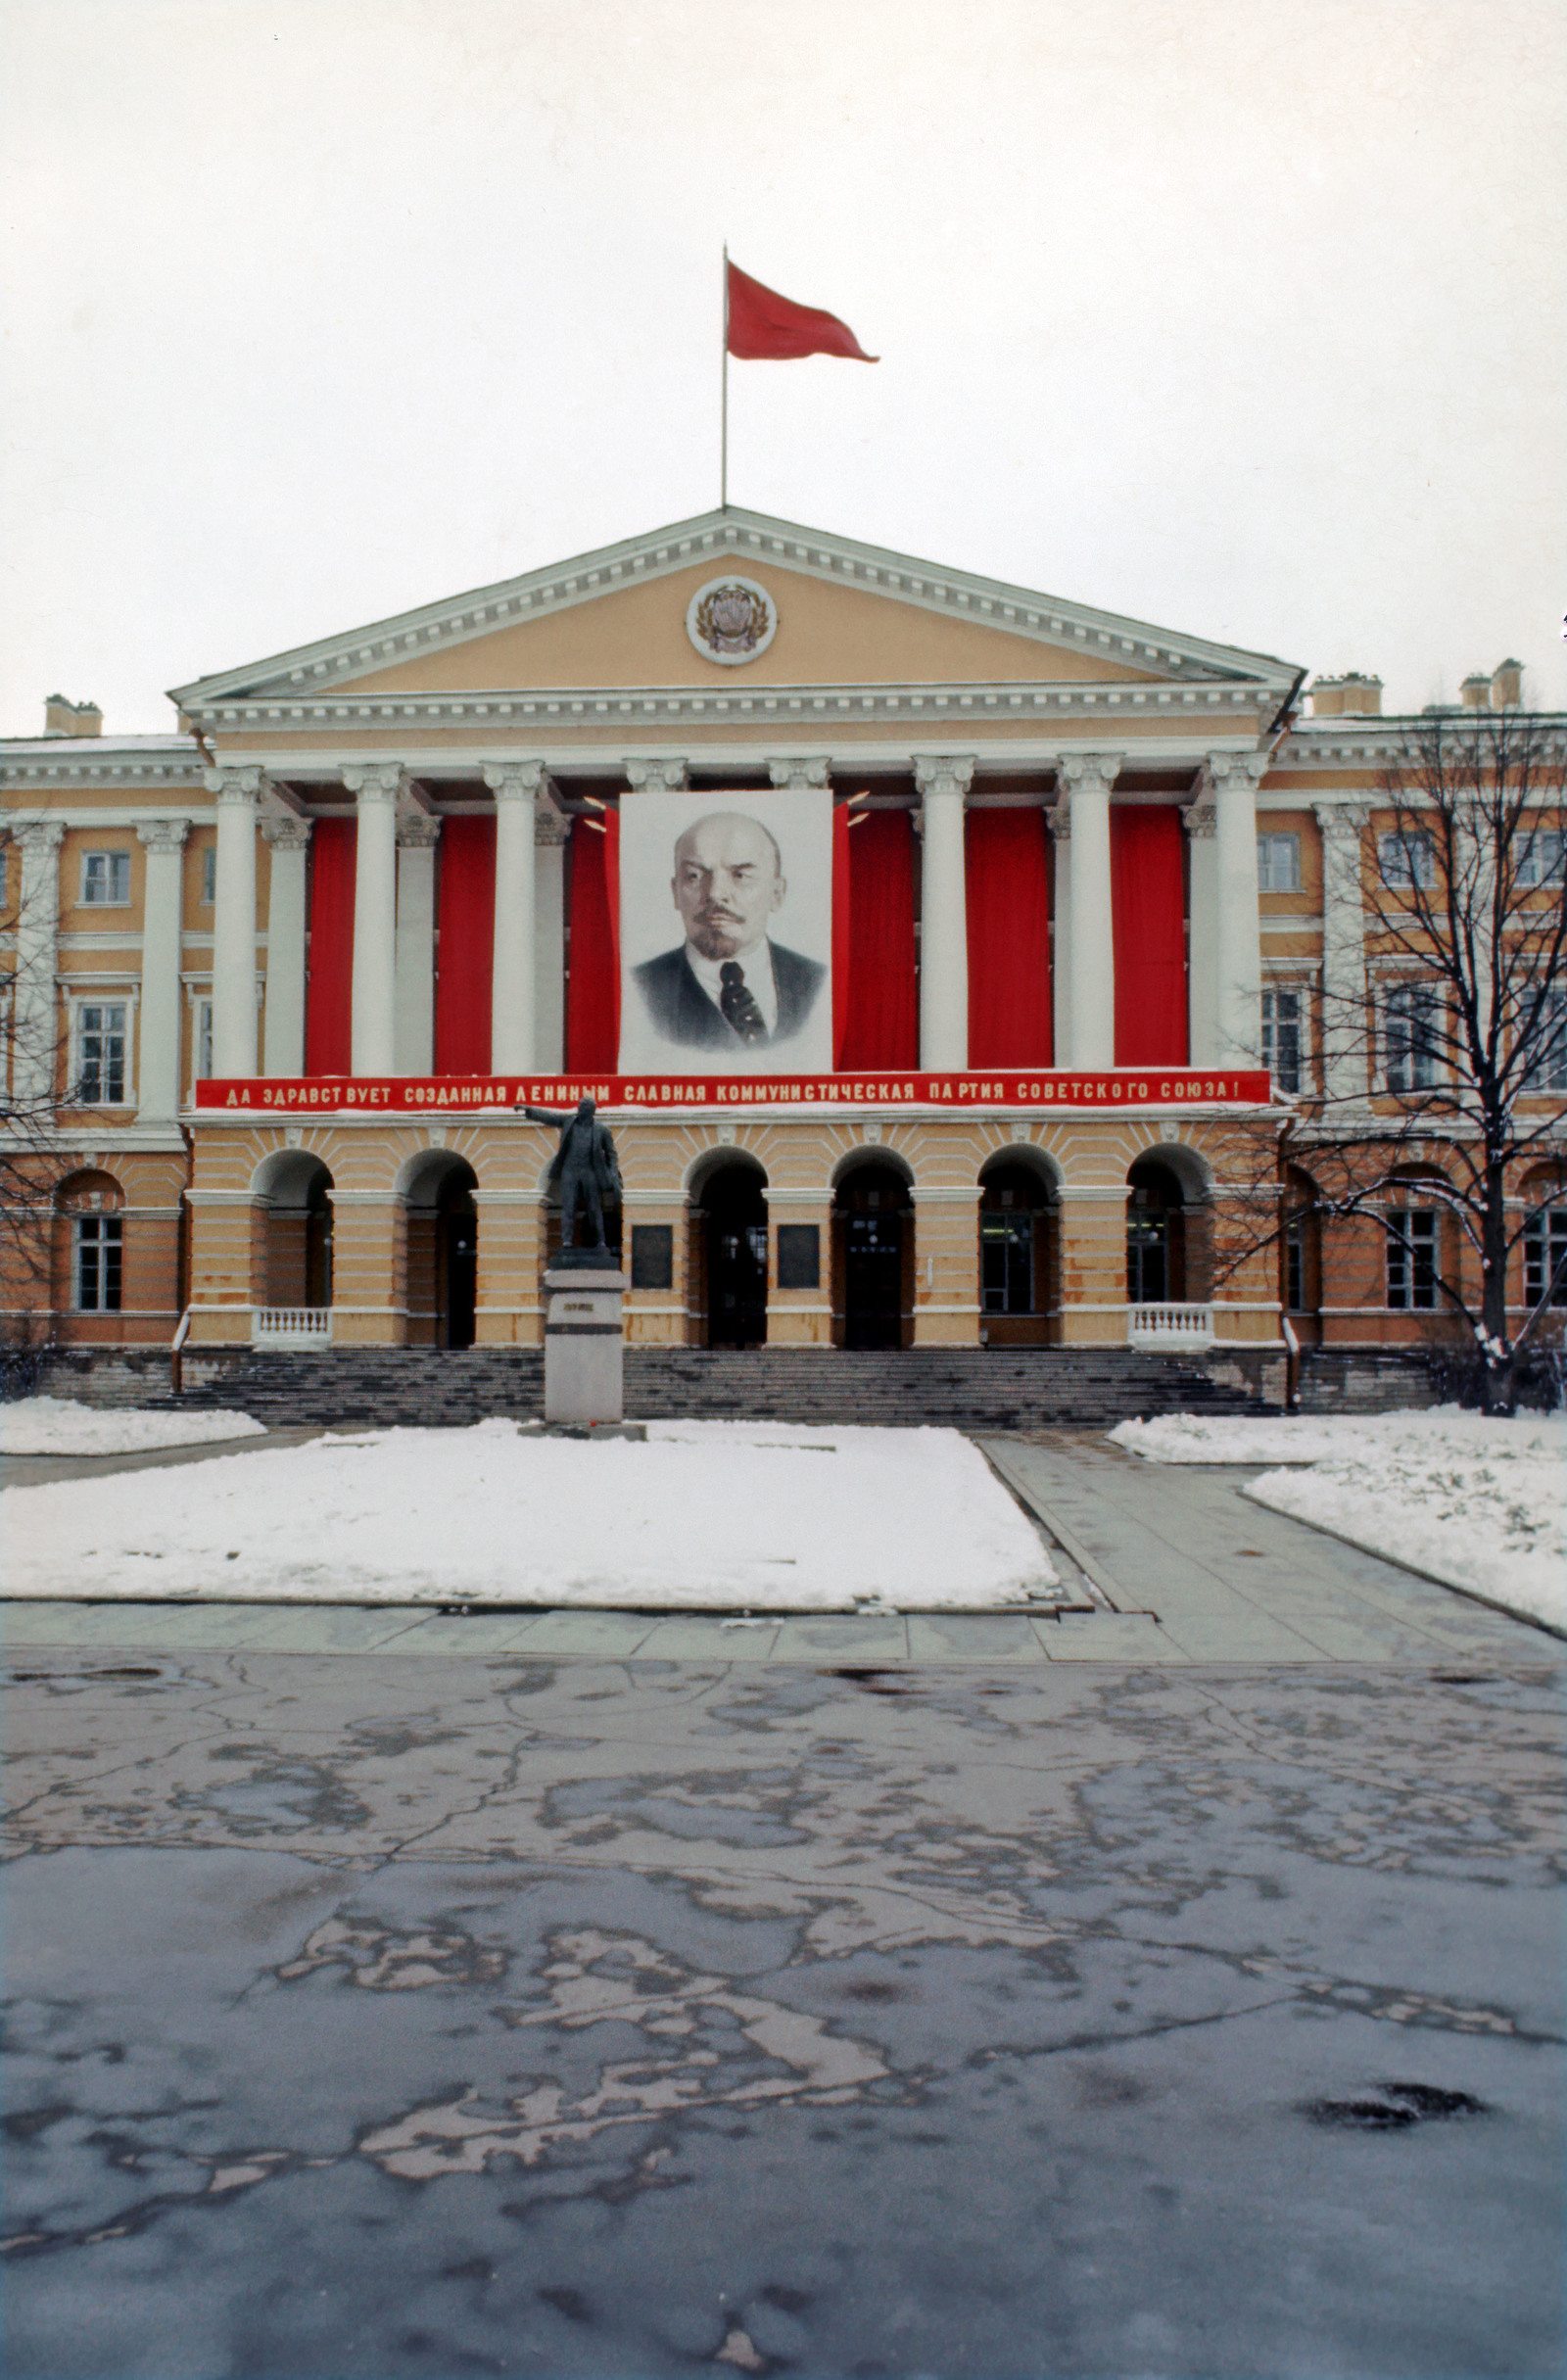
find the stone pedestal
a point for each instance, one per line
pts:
(585, 1338)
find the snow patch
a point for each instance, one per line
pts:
(1474, 1501)
(59, 1425)
(703, 1515)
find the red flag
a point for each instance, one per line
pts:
(763, 327)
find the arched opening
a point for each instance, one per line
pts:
(443, 1248)
(872, 1256)
(88, 1258)
(296, 1189)
(1017, 1251)
(1301, 1270)
(1155, 1235)
(730, 1248)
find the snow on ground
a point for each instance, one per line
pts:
(1475, 1502)
(58, 1425)
(759, 1517)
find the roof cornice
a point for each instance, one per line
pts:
(634, 707)
(65, 767)
(752, 536)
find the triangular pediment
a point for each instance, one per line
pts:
(847, 614)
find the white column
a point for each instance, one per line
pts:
(1202, 974)
(376, 790)
(289, 839)
(550, 833)
(1344, 985)
(36, 1012)
(158, 1063)
(238, 792)
(1238, 941)
(413, 1003)
(1059, 817)
(943, 914)
(1091, 935)
(515, 785)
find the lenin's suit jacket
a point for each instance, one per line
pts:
(684, 1013)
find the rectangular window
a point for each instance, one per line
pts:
(1406, 858)
(98, 1251)
(105, 879)
(209, 875)
(1278, 863)
(1545, 1258)
(204, 1040)
(1007, 1263)
(799, 1256)
(1540, 857)
(1409, 1037)
(1295, 1266)
(1548, 1068)
(1281, 1037)
(652, 1256)
(101, 1052)
(1413, 1258)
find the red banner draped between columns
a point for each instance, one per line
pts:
(467, 928)
(1007, 883)
(1148, 898)
(593, 986)
(329, 984)
(881, 1015)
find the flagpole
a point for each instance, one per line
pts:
(723, 436)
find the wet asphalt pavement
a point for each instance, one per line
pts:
(443, 2014)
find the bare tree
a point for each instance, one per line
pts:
(31, 1163)
(1447, 1050)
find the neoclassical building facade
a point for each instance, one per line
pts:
(284, 979)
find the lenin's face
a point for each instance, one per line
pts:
(727, 883)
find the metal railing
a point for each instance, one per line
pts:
(1169, 1326)
(291, 1325)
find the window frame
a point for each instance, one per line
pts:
(1546, 1079)
(206, 899)
(1301, 993)
(1412, 858)
(113, 857)
(1401, 992)
(1404, 1248)
(105, 1235)
(1544, 1245)
(81, 1002)
(1268, 838)
(1529, 876)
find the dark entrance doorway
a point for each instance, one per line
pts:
(1156, 1236)
(875, 1246)
(1015, 1266)
(457, 1255)
(734, 1249)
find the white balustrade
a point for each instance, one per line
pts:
(291, 1325)
(1169, 1329)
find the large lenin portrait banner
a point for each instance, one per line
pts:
(726, 933)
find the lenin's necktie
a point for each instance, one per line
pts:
(738, 1004)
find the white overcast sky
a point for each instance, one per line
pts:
(1241, 316)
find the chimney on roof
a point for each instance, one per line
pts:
(1476, 692)
(1353, 695)
(1506, 686)
(63, 718)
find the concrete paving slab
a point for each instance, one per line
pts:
(1109, 1636)
(831, 1638)
(603, 1634)
(703, 1640)
(987, 1636)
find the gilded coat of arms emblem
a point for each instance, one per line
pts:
(732, 620)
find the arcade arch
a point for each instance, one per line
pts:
(728, 1250)
(293, 1189)
(1019, 1248)
(442, 1248)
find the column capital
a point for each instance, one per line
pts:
(514, 779)
(1342, 822)
(1232, 773)
(378, 782)
(1057, 818)
(800, 775)
(667, 775)
(1200, 818)
(549, 828)
(41, 837)
(285, 832)
(1089, 772)
(943, 772)
(417, 829)
(162, 834)
(231, 784)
